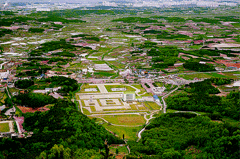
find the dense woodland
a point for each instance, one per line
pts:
(67, 84)
(135, 20)
(195, 66)
(51, 46)
(177, 136)
(3, 32)
(33, 100)
(23, 84)
(200, 97)
(163, 56)
(62, 131)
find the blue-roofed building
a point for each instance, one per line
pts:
(156, 99)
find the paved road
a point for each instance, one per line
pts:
(102, 88)
(187, 112)
(8, 112)
(164, 103)
(143, 129)
(147, 123)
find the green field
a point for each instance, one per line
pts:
(210, 75)
(192, 76)
(99, 62)
(147, 95)
(122, 150)
(139, 86)
(104, 74)
(152, 105)
(86, 112)
(128, 88)
(125, 119)
(4, 127)
(85, 86)
(130, 133)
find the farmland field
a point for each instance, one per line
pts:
(125, 119)
(4, 127)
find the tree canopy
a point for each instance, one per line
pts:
(62, 129)
(23, 84)
(186, 136)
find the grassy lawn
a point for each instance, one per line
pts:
(159, 84)
(171, 110)
(231, 121)
(142, 108)
(86, 112)
(229, 89)
(97, 54)
(139, 86)
(235, 74)
(122, 150)
(77, 66)
(104, 74)
(13, 90)
(117, 64)
(85, 86)
(152, 105)
(93, 109)
(133, 107)
(114, 109)
(4, 97)
(128, 88)
(147, 94)
(201, 113)
(218, 75)
(130, 133)
(195, 46)
(125, 119)
(209, 75)
(98, 62)
(18, 112)
(192, 76)
(77, 97)
(83, 103)
(4, 127)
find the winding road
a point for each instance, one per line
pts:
(164, 103)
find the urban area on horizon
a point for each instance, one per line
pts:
(120, 79)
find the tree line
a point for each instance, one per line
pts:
(200, 97)
(62, 129)
(186, 135)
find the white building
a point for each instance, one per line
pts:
(129, 96)
(4, 75)
(118, 89)
(90, 90)
(126, 72)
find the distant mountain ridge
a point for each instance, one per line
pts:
(116, 1)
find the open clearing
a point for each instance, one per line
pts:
(128, 88)
(130, 133)
(4, 127)
(209, 75)
(125, 119)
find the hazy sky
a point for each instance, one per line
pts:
(70, 1)
(90, 1)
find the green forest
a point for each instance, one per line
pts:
(177, 136)
(62, 132)
(200, 97)
(33, 100)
